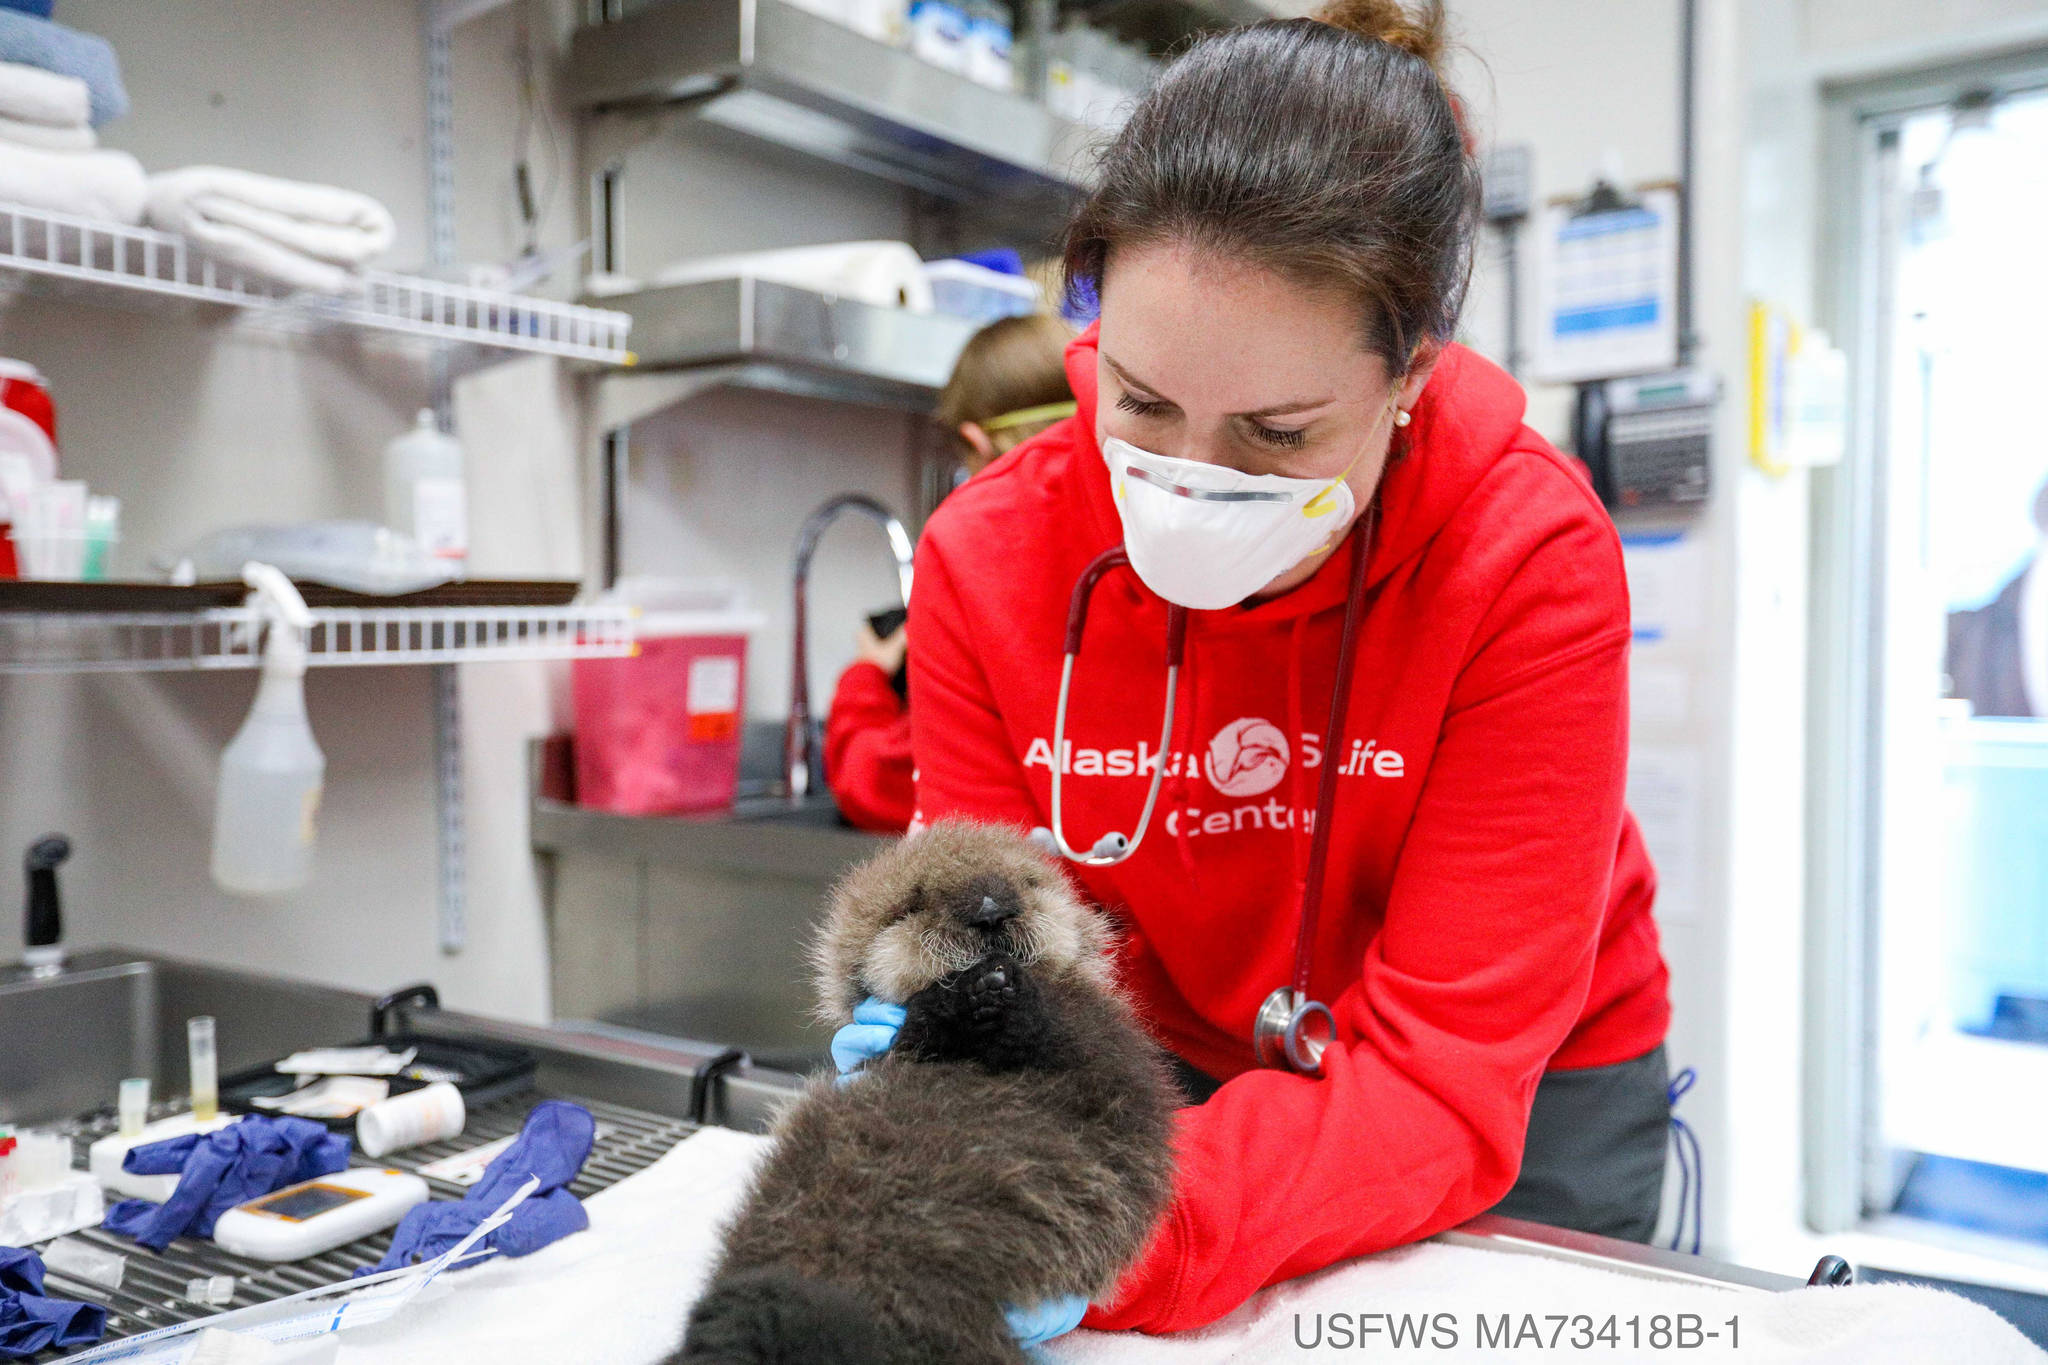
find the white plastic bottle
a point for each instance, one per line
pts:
(988, 44)
(424, 493)
(272, 771)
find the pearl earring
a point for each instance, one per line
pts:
(1400, 417)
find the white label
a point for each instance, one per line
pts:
(714, 685)
(440, 517)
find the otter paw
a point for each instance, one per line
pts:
(991, 1013)
(990, 994)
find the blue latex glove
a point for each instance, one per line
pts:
(1040, 1323)
(219, 1170)
(872, 1033)
(29, 1322)
(553, 1144)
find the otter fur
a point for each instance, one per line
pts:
(1011, 1147)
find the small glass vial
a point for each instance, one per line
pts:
(205, 1067)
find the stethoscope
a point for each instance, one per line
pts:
(1291, 1029)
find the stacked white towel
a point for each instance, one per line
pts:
(307, 236)
(44, 99)
(49, 156)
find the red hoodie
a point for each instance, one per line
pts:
(867, 751)
(1487, 911)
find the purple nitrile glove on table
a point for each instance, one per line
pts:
(219, 1170)
(553, 1144)
(30, 1322)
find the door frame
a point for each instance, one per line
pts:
(1847, 1168)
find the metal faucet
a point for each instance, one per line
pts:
(800, 739)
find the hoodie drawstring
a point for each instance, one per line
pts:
(1297, 646)
(1183, 796)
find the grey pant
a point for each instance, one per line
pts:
(1594, 1160)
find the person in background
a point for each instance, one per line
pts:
(1998, 653)
(1009, 384)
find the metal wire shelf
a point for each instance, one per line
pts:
(227, 637)
(141, 262)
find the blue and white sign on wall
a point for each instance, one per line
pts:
(1607, 288)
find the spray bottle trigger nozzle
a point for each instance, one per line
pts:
(276, 601)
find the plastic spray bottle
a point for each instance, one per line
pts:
(272, 770)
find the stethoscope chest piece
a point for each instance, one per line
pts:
(1290, 1033)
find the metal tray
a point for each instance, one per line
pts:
(152, 1292)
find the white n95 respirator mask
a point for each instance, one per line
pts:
(1206, 536)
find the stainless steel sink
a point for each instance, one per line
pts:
(812, 812)
(692, 927)
(73, 1036)
(112, 1013)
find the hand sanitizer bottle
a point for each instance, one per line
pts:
(271, 772)
(424, 493)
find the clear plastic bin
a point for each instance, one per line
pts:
(964, 289)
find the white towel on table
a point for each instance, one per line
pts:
(306, 236)
(33, 95)
(107, 185)
(619, 1293)
(1882, 1324)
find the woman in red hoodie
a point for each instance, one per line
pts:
(1271, 410)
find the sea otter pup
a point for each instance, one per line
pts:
(1013, 1145)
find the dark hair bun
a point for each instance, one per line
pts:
(1325, 151)
(1416, 29)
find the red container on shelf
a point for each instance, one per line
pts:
(28, 430)
(659, 733)
(23, 390)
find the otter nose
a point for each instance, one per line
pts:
(991, 914)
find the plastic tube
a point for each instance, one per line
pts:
(215, 1290)
(205, 1067)
(134, 1106)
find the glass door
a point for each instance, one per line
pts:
(1955, 755)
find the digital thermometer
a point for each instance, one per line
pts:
(318, 1215)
